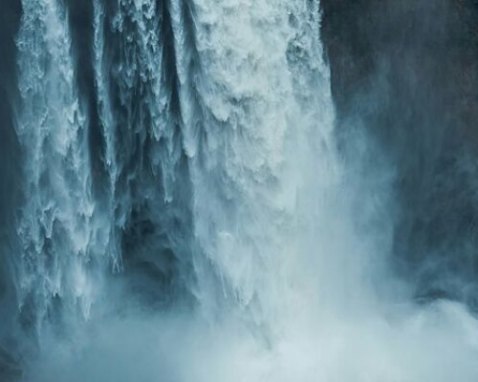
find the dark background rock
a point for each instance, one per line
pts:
(408, 72)
(10, 173)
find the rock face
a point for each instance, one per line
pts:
(9, 367)
(408, 72)
(10, 165)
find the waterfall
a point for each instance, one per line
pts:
(62, 239)
(192, 217)
(242, 130)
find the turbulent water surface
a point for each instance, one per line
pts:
(188, 214)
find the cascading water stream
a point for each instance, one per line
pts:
(219, 240)
(61, 237)
(258, 123)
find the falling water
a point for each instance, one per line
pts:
(222, 236)
(62, 240)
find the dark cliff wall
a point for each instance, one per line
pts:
(10, 12)
(10, 157)
(408, 71)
